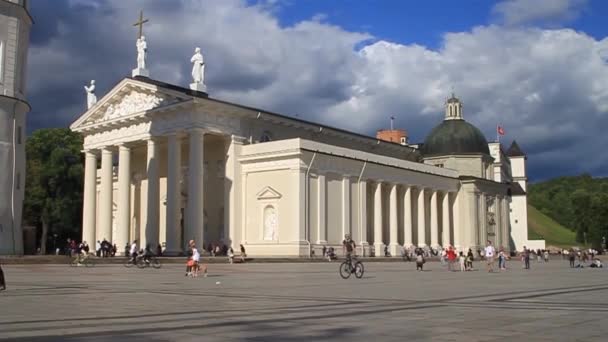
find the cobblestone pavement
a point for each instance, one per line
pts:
(303, 302)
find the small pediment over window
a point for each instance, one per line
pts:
(268, 193)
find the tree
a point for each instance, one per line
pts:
(54, 183)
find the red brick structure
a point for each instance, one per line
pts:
(398, 136)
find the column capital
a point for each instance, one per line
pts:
(177, 134)
(106, 150)
(197, 130)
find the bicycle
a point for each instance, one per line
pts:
(151, 261)
(85, 261)
(130, 262)
(348, 267)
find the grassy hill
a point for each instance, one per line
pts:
(541, 226)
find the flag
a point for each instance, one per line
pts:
(500, 130)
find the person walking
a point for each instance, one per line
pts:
(526, 258)
(2, 281)
(571, 257)
(243, 254)
(490, 253)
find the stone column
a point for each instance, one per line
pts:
(346, 206)
(322, 205)
(194, 226)
(153, 200)
(393, 221)
(90, 197)
(483, 220)
(407, 217)
(434, 220)
(421, 219)
(173, 236)
(456, 219)
(445, 224)
(105, 197)
(378, 245)
(505, 224)
(124, 198)
(497, 223)
(363, 217)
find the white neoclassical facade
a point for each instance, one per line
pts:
(166, 164)
(15, 25)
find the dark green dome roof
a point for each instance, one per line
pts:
(455, 137)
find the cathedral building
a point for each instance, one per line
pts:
(165, 164)
(15, 25)
(190, 166)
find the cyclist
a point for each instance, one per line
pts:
(147, 253)
(133, 252)
(348, 247)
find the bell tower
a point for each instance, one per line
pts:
(453, 108)
(15, 26)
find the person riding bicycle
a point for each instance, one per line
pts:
(147, 253)
(133, 252)
(348, 247)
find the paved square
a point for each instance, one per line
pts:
(303, 302)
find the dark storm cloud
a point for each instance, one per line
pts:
(549, 88)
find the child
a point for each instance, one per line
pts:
(419, 262)
(462, 259)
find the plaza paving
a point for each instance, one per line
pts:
(303, 302)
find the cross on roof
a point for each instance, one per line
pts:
(141, 23)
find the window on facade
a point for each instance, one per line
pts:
(403, 141)
(439, 165)
(19, 135)
(450, 110)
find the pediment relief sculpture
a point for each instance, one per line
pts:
(133, 102)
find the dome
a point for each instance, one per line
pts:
(455, 137)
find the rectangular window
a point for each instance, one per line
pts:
(19, 135)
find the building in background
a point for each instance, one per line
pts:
(15, 26)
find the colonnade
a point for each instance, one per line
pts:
(98, 229)
(421, 217)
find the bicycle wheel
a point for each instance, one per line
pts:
(155, 263)
(345, 270)
(74, 263)
(359, 269)
(88, 262)
(141, 263)
(129, 263)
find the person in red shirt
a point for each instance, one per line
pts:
(451, 254)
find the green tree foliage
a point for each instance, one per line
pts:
(53, 191)
(580, 203)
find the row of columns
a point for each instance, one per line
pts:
(150, 234)
(407, 218)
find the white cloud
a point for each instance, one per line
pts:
(549, 88)
(553, 12)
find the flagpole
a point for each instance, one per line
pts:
(497, 134)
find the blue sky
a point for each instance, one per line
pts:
(538, 67)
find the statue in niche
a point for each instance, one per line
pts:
(270, 223)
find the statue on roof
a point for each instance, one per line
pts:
(91, 98)
(142, 48)
(198, 67)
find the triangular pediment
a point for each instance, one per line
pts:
(130, 97)
(268, 193)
